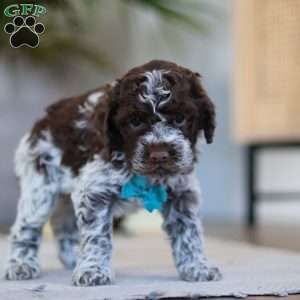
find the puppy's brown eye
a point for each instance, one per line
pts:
(179, 119)
(136, 123)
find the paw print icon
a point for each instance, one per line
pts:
(24, 32)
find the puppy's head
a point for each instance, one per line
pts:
(156, 114)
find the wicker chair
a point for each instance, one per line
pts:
(267, 81)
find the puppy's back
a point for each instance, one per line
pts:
(75, 126)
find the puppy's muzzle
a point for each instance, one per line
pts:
(160, 158)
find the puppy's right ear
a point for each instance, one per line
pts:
(114, 138)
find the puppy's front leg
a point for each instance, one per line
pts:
(95, 226)
(183, 226)
(93, 200)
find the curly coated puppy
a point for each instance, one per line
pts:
(73, 163)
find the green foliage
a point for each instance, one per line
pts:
(68, 34)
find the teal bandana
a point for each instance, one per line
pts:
(152, 196)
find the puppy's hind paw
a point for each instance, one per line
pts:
(22, 270)
(91, 277)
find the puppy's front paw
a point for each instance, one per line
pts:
(91, 277)
(200, 273)
(19, 270)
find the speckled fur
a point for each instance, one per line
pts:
(39, 192)
(73, 163)
(94, 198)
(182, 222)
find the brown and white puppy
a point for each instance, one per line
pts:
(87, 147)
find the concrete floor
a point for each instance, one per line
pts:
(278, 236)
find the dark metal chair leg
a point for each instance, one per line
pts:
(251, 194)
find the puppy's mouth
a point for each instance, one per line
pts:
(159, 170)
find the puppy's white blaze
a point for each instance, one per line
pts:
(153, 90)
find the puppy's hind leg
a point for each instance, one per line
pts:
(39, 189)
(64, 227)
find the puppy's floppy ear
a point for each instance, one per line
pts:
(113, 135)
(127, 86)
(206, 108)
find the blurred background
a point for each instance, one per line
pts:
(247, 52)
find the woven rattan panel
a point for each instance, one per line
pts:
(267, 70)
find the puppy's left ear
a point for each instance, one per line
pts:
(206, 108)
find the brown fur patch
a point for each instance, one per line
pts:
(107, 127)
(77, 144)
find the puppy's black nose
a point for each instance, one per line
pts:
(159, 156)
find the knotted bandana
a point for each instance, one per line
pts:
(152, 196)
